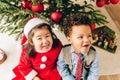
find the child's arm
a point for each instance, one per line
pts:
(94, 69)
(63, 68)
(25, 68)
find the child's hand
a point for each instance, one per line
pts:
(36, 78)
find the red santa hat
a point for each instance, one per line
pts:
(29, 26)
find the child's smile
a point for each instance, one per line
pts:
(46, 46)
(81, 38)
(86, 45)
(42, 40)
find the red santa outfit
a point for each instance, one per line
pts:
(43, 65)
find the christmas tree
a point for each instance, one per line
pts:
(15, 13)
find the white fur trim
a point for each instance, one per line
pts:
(31, 75)
(11, 75)
(31, 24)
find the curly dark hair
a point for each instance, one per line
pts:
(75, 19)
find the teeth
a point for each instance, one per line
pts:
(45, 46)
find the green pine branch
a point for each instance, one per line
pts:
(15, 17)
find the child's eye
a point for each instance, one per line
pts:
(47, 36)
(80, 37)
(39, 38)
(90, 35)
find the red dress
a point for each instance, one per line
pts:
(43, 65)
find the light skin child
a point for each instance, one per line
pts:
(39, 55)
(42, 41)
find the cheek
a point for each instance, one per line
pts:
(73, 40)
(36, 42)
(50, 39)
(76, 42)
(91, 40)
(38, 45)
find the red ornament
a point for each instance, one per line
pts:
(114, 1)
(108, 2)
(93, 26)
(100, 3)
(25, 4)
(56, 16)
(30, 5)
(38, 7)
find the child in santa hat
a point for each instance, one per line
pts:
(39, 54)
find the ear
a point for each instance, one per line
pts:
(31, 42)
(69, 40)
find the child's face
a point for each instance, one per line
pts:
(42, 40)
(80, 38)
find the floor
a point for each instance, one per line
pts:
(110, 77)
(113, 11)
(9, 45)
(115, 15)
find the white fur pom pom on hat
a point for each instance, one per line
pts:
(31, 24)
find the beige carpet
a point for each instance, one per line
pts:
(110, 77)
